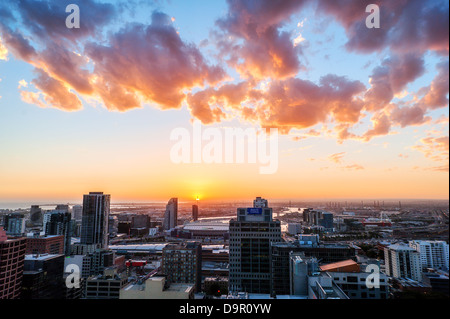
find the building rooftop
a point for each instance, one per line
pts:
(139, 248)
(41, 257)
(400, 247)
(345, 264)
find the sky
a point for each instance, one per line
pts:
(360, 112)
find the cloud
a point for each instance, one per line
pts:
(3, 51)
(337, 157)
(391, 77)
(127, 65)
(353, 167)
(403, 25)
(435, 149)
(407, 116)
(53, 94)
(435, 95)
(251, 37)
(156, 63)
(47, 19)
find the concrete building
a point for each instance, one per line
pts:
(294, 228)
(321, 218)
(309, 246)
(58, 222)
(300, 268)
(94, 227)
(194, 212)
(433, 254)
(42, 244)
(207, 229)
(12, 256)
(322, 286)
(351, 278)
(43, 277)
(157, 287)
(77, 212)
(437, 280)
(403, 262)
(250, 238)
(171, 214)
(106, 285)
(182, 263)
(14, 224)
(36, 215)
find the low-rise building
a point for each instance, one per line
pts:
(157, 287)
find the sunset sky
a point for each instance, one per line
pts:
(361, 113)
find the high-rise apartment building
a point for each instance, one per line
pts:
(94, 226)
(402, 262)
(171, 214)
(12, 254)
(14, 224)
(251, 235)
(433, 254)
(58, 222)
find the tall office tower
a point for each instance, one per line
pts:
(14, 224)
(43, 277)
(194, 212)
(36, 216)
(12, 254)
(77, 212)
(171, 215)
(402, 262)
(260, 202)
(182, 263)
(94, 225)
(251, 236)
(433, 254)
(58, 222)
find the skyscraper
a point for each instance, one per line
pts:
(94, 225)
(250, 238)
(58, 222)
(171, 215)
(194, 212)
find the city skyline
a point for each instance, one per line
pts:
(361, 113)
